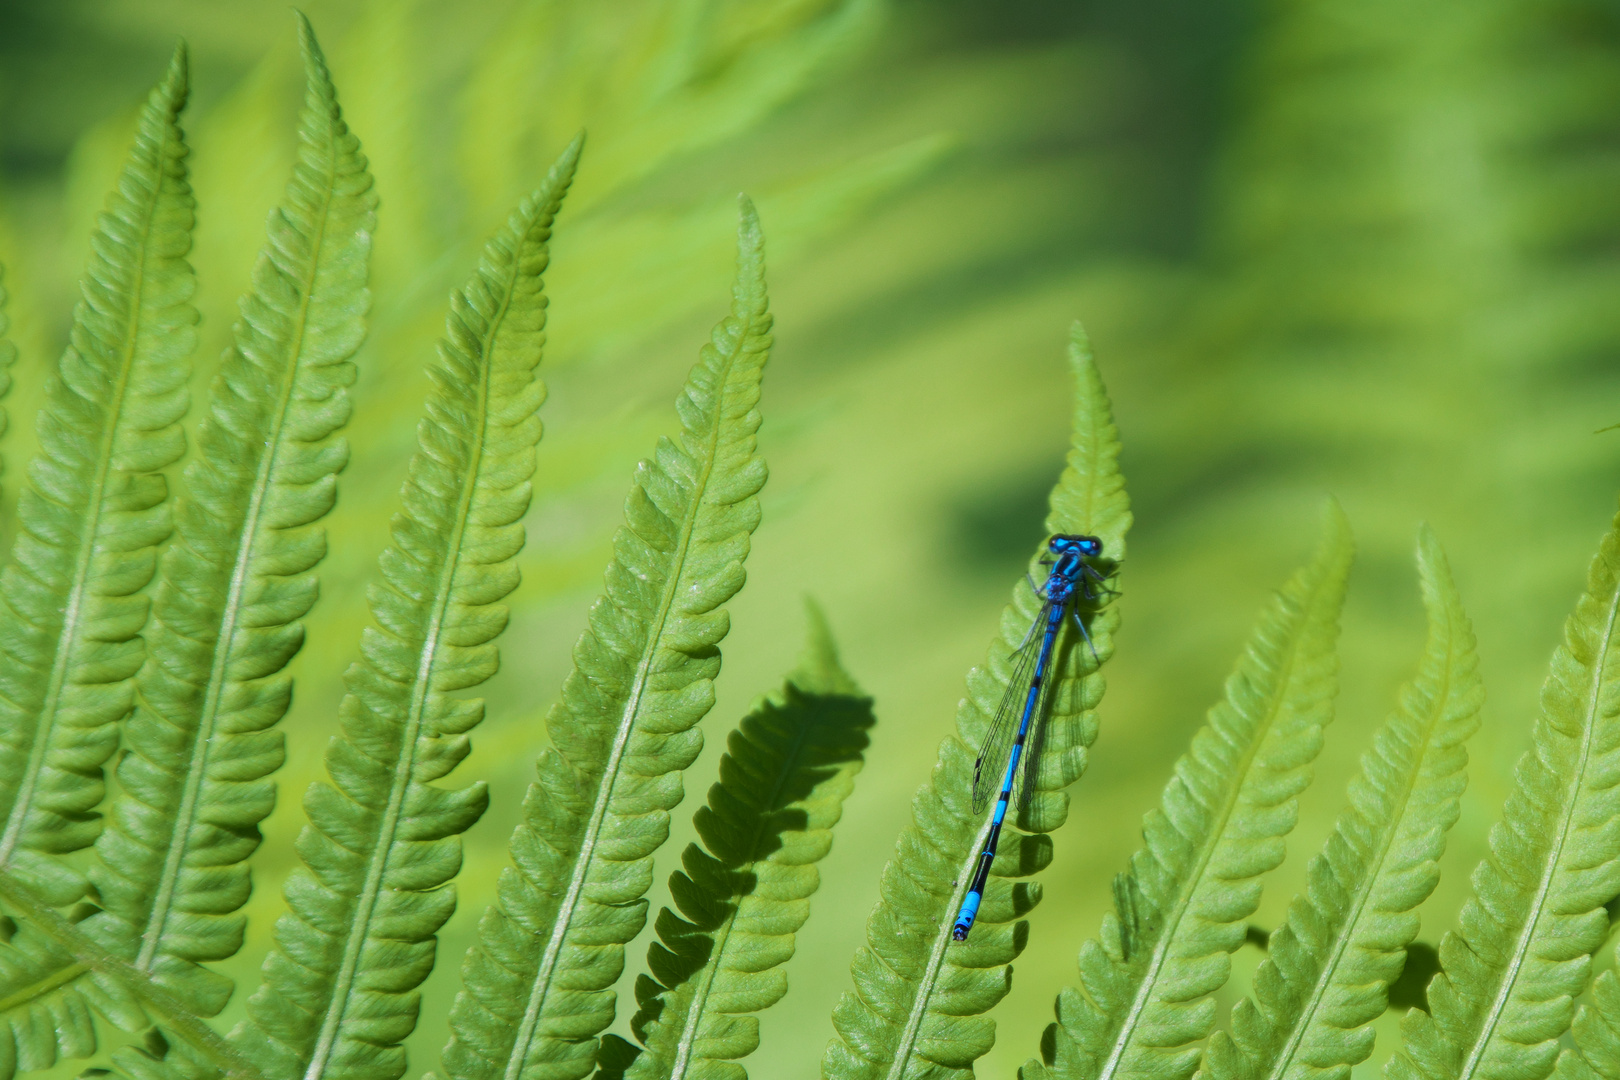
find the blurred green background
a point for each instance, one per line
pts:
(1361, 247)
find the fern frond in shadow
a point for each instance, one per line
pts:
(919, 1000)
(1522, 951)
(536, 988)
(1328, 968)
(1181, 908)
(95, 508)
(746, 892)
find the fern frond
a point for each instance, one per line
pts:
(919, 1000)
(171, 868)
(94, 508)
(788, 768)
(536, 992)
(1180, 909)
(340, 985)
(1521, 953)
(8, 356)
(171, 865)
(1328, 968)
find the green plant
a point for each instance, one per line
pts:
(122, 920)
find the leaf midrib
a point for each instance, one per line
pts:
(1516, 960)
(1342, 942)
(337, 1002)
(1161, 947)
(540, 989)
(202, 737)
(72, 609)
(700, 995)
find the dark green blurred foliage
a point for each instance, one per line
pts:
(1321, 245)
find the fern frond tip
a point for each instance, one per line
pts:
(819, 670)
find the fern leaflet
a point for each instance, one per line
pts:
(1328, 967)
(1511, 971)
(1180, 909)
(536, 994)
(788, 768)
(918, 1003)
(8, 355)
(95, 508)
(340, 986)
(171, 866)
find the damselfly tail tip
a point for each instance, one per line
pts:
(959, 932)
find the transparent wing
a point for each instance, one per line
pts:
(998, 737)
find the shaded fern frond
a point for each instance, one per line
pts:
(1511, 971)
(340, 985)
(787, 770)
(94, 508)
(919, 1000)
(536, 991)
(1180, 909)
(1328, 968)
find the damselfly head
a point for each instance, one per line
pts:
(1064, 544)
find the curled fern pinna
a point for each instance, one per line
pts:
(919, 1000)
(1145, 984)
(340, 985)
(536, 988)
(94, 509)
(1327, 971)
(1522, 951)
(745, 892)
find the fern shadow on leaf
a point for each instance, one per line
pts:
(745, 891)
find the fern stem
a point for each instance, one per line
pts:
(91, 956)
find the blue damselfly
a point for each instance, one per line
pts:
(1026, 700)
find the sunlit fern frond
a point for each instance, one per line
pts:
(1180, 910)
(920, 1001)
(537, 988)
(171, 866)
(339, 991)
(1522, 951)
(95, 508)
(1327, 970)
(746, 891)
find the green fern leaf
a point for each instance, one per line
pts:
(95, 509)
(789, 767)
(918, 1004)
(1328, 968)
(171, 867)
(1522, 951)
(1180, 910)
(536, 988)
(340, 986)
(8, 355)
